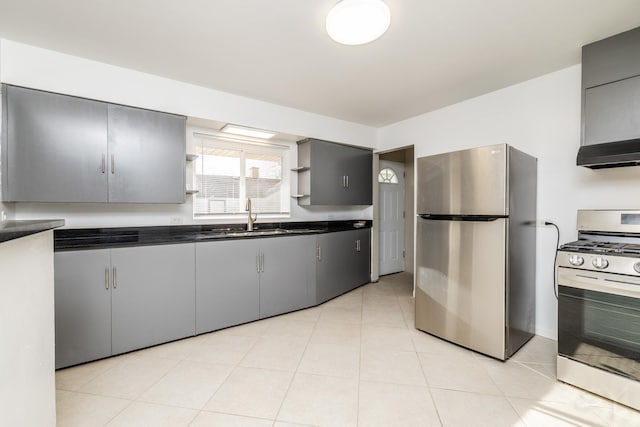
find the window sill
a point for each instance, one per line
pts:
(239, 217)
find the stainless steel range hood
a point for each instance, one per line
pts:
(609, 155)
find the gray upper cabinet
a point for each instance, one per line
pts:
(146, 153)
(612, 112)
(359, 174)
(54, 147)
(611, 91)
(337, 174)
(82, 306)
(612, 59)
(227, 286)
(59, 148)
(153, 295)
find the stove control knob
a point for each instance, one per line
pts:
(600, 263)
(636, 267)
(576, 260)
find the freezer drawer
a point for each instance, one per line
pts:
(460, 282)
(468, 182)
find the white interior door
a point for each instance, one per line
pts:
(391, 202)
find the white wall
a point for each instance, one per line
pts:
(38, 68)
(541, 117)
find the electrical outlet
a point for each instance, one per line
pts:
(175, 220)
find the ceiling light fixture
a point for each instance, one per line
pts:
(246, 131)
(354, 22)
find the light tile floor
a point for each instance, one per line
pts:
(354, 361)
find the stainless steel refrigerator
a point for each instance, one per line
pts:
(476, 248)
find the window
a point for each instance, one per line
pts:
(227, 173)
(387, 176)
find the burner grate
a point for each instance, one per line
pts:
(602, 247)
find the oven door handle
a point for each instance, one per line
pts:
(593, 281)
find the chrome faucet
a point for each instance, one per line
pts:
(251, 219)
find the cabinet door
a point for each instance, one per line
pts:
(226, 284)
(612, 112)
(342, 263)
(614, 58)
(327, 174)
(56, 147)
(287, 264)
(153, 295)
(82, 306)
(333, 266)
(146, 156)
(339, 175)
(349, 263)
(361, 265)
(324, 290)
(359, 170)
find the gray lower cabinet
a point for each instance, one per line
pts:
(82, 306)
(60, 148)
(245, 280)
(153, 295)
(343, 262)
(110, 301)
(286, 274)
(227, 287)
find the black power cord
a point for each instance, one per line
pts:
(555, 289)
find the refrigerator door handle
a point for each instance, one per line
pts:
(474, 218)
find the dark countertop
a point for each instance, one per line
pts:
(113, 237)
(14, 229)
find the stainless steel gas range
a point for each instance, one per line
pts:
(599, 306)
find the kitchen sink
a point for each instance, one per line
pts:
(222, 233)
(264, 232)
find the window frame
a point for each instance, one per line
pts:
(282, 149)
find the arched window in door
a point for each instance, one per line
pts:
(388, 176)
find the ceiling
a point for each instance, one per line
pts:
(436, 52)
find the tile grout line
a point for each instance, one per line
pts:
(275, 420)
(426, 380)
(360, 359)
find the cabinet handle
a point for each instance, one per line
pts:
(258, 263)
(319, 253)
(113, 164)
(106, 278)
(358, 245)
(104, 163)
(262, 263)
(347, 181)
(344, 181)
(115, 278)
